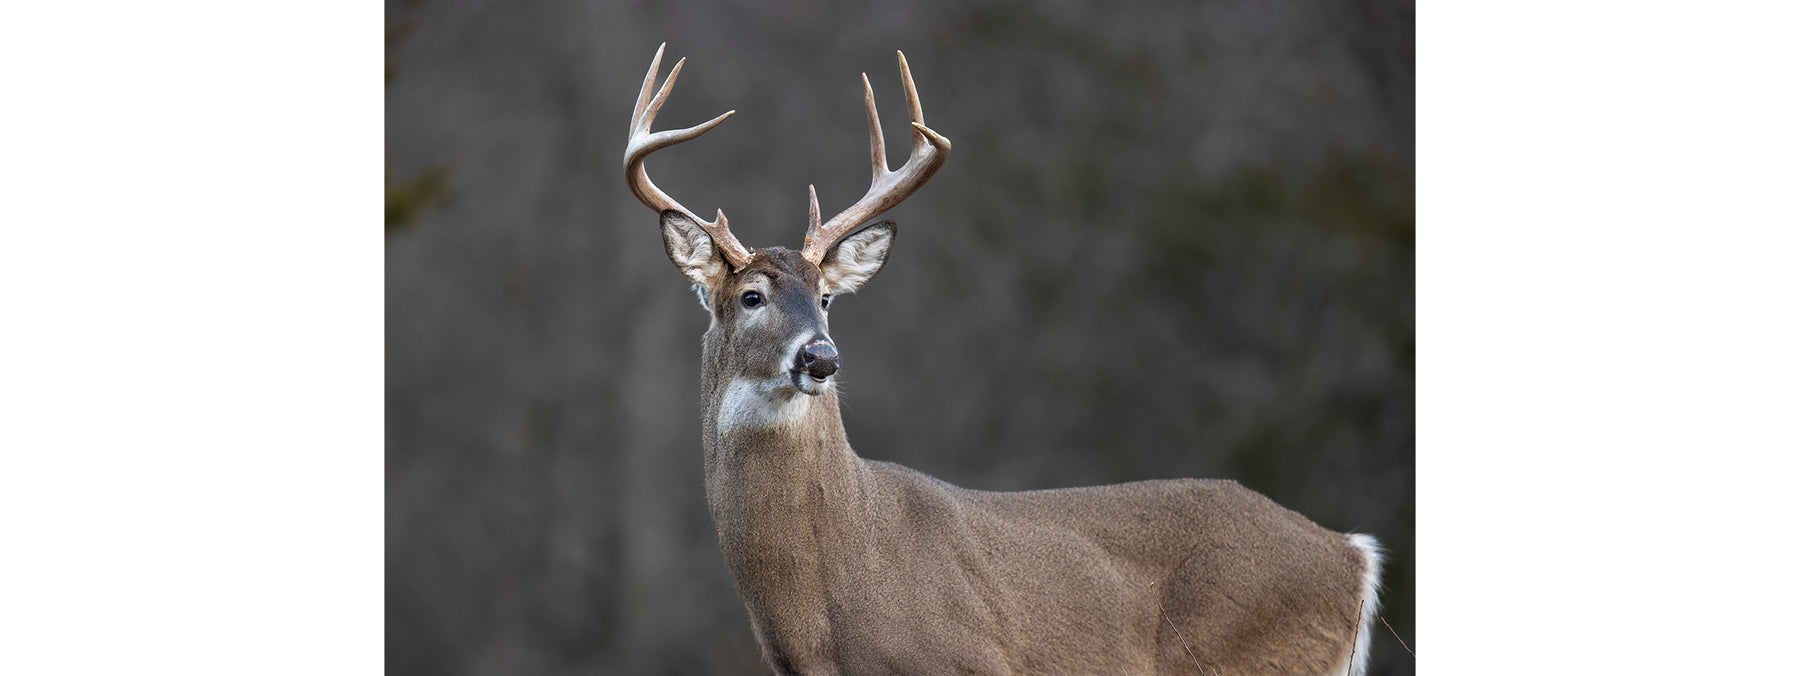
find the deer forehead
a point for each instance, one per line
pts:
(775, 270)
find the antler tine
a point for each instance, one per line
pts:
(886, 188)
(877, 140)
(643, 142)
(812, 209)
(914, 113)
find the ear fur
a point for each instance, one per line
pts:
(854, 260)
(692, 252)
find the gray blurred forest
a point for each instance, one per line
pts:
(1174, 239)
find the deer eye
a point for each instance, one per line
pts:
(752, 299)
(825, 301)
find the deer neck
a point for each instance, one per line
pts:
(768, 444)
(785, 490)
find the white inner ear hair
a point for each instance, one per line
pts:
(691, 250)
(855, 260)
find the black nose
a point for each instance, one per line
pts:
(819, 359)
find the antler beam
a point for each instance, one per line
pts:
(643, 142)
(887, 188)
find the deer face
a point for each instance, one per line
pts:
(769, 319)
(768, 339)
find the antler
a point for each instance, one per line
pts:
(887, 188)
(643, 143)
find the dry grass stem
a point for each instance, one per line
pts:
(1184, 645)
(1397, 637)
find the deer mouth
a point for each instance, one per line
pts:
(809, 383)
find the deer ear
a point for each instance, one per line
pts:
(853, 261)
(692, 251)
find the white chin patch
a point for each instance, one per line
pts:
(762, 404)
(809, 384)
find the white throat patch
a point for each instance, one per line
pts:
(760, 404)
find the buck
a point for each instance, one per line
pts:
(853, 566)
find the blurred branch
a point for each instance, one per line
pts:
(407, 197)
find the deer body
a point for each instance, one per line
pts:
(850, 566)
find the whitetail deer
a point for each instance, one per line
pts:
(851, 566)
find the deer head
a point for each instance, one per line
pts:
(769, 306)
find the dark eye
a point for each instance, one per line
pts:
(752, 299)
(825, 301)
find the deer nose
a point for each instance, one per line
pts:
(819, 359)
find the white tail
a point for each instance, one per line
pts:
(853, 566)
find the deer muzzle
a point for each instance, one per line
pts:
(818, 359)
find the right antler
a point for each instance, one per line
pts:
(643, 143)
(888, 188)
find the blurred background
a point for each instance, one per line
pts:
(1174, 239)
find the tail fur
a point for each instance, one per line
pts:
(1358, 661)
